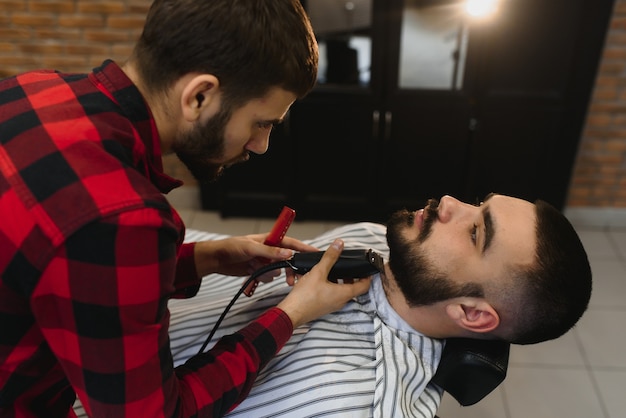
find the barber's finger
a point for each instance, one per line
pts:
(269, 253)
(331, 255)
(290, 276)
(358, 287)
(297, 245)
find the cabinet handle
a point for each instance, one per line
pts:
(473, 124)
(387, 125)
(375, 123)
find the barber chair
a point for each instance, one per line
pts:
(470, 369)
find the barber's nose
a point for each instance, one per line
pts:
(259, 143)
(449, 207)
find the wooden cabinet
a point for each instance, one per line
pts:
(415, 101)
(336, 151)
(539, 63)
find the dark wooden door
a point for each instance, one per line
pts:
(429, 76)
(538, 62)
(415, 101)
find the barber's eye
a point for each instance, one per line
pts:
(473, 233)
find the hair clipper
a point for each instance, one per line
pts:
(350, 265)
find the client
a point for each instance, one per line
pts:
(506, 269)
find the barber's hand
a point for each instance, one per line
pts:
(313, 295)
(242, 255)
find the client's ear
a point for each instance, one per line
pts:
(475, 315)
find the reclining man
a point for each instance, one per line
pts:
(506, 269)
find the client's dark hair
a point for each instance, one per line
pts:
(558, 285)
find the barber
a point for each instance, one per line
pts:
(91, 249)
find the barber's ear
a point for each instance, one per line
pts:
(475, 315)
(199, 94)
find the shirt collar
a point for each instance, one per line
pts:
(385, 311)
(113, 82)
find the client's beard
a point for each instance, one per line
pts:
(418, 280)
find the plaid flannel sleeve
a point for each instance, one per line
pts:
(187, 282)
(102, 307)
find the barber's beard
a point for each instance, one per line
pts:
(206, 143)
(420, 283)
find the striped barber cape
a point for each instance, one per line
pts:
(362, 361)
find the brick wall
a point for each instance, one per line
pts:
(68, 35)
(599, 177)
(73, 35)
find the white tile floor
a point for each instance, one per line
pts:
(581, 375)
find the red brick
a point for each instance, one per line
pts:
(616, 38)
(607, 81)
(87, 49)
(12, 5)
(604, 94)
(611, 68)
(599, 120)
(51, 6)
(42, 48)
(601, 133)
(103, 7)
(81, 21)
(619, 8)
(614, 53)
(7, 47)
(67, 34)
(64, 63)
(106, 36)
(32, 19)
(122, 50)
(619, 120)
(96, 60)
(139, 6)
(18, 35)
(13, 60)
(608, 107)
(615, 145)
(618, 23)
(126, 22)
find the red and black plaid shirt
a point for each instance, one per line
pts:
(90, 253)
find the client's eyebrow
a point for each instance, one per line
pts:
(489, 224)
(489, 229)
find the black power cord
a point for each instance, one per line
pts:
(259, 272)
(351, 263)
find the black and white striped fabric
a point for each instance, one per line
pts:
(362, 361)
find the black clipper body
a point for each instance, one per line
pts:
(350, 265)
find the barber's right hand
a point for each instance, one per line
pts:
(313, 296)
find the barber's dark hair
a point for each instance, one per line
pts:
(249, 45)
(558, 286)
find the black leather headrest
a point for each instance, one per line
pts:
(470, 369)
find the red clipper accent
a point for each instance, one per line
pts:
(276, 235)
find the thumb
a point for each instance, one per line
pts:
(331, 255)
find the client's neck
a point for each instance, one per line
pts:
(430, 320)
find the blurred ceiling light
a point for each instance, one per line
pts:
(481, 8)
